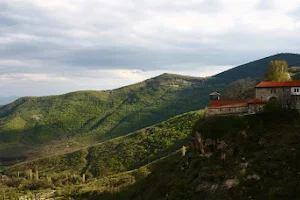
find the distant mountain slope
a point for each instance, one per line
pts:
(6, 100)
(256, 69)
(37, 126)
(34, 127)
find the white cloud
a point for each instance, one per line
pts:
(81, 44)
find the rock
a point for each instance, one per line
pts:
(221, 145)
(244, 165)
(214, 187)
(254, 176)
(37, 117)
(203, 187)
(244, 133)
(229, 183)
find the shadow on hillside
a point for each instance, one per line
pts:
(19, 146)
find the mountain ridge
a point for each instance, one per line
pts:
(258, 67)
(30, 126)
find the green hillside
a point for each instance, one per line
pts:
(107, 146)
(246, 157)
(122, 153)
(34, 127)
(37, 126)
(117, 155)
(256, 69)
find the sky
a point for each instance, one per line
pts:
(58, 46)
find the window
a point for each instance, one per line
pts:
(295, 90)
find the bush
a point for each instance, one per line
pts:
(39, 184)
(272, 105)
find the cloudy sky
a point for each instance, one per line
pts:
(52, 47)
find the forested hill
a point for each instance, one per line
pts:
(245, 157)
(33, 127)
(37, 126)
(256, 69)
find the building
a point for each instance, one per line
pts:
(229, 107)
(226, 107)
(286, 94)
(256, 105)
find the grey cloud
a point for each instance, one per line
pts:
(136, 35)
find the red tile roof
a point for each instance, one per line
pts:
(279, 84)
(214, 93)
(227, 103)
(257, 101)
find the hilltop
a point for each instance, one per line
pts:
(6, 100)
(33, 127)
(39, 126)
(257, 68)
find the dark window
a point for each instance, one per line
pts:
(295, 90)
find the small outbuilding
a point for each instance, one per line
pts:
(256, 105)
(225, 107)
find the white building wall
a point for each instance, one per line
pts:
(295, 90)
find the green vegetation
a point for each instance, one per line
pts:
(277, 71)
(295, 72)
(240, 89)
(256, 69)
(119, 154)
(33, 127)
(130, 152)
(39, 126)
(103, 144)
(246, 157)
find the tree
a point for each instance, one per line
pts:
(295, 72)
(277, 71)
(240, 89)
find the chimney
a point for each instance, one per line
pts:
(214, 96)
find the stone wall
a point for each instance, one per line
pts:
(255, 107)
(295, 102)
(227, 111)
(283, 94)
